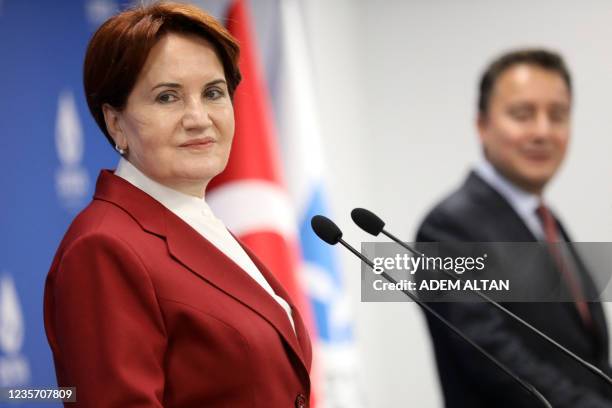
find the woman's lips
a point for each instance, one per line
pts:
(199, 143)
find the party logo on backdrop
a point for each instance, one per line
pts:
(14, 368)
(71, 178)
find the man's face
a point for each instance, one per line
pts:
(526, 130)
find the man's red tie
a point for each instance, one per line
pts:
(552, 238)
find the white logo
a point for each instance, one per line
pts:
(14, 368)
(68, 134)
(71, 179)
(11, 318)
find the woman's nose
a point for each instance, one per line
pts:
(196, 115)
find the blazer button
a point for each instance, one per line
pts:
(300, 401)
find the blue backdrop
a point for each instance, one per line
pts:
(51, 151)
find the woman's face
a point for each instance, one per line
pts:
(178, 123)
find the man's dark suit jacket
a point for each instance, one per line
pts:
(477, 213)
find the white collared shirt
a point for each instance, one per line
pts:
(197, 214)
(524, 204)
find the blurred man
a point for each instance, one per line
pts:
(524, 128)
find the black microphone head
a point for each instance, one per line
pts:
(326, 229)
(367, 221)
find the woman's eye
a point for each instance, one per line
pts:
(166, 98)
(214, 93)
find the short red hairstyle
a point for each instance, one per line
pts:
(119, 49)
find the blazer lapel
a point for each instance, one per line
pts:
(203, 258)
(200, 256)
(509, 227)
(300, 327)
(600, 326)
(512, 228)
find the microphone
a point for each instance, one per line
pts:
(329, 232)
(372, 224)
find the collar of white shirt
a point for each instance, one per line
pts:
(179, 203)
(524, 203)
(197, 214)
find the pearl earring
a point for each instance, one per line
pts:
(120, 150)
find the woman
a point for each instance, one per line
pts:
(150, 301)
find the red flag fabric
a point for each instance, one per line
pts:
(254, 173)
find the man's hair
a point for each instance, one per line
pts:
(540, 58)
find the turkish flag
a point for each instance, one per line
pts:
(250, 195)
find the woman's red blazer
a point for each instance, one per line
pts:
(141, 311)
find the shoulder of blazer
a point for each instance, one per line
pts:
(478, 212)
(197, 254)
(144, 209)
